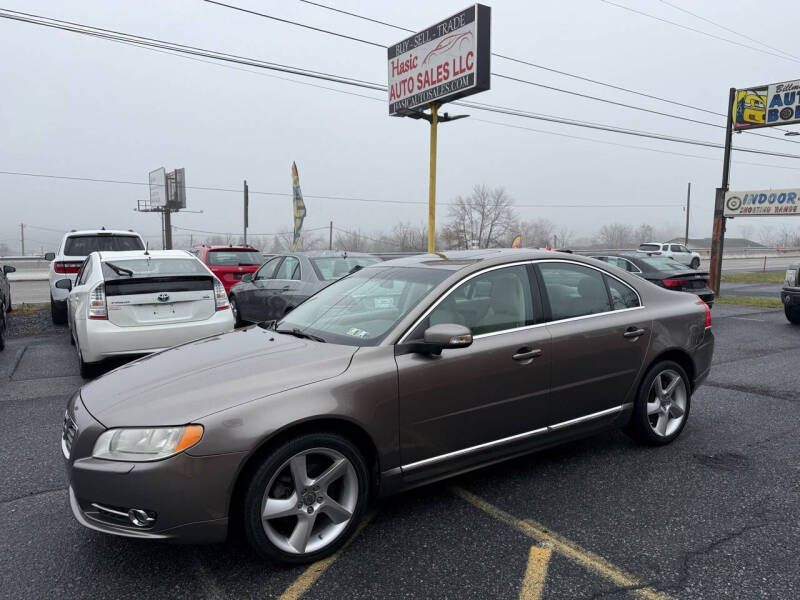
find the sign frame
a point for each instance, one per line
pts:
(762, 203)
(768, 105)
(158, 187)
(405, 67)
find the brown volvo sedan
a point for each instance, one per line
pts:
(397, 375)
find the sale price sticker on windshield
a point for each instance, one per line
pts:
(446, 61)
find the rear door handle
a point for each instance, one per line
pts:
(633, 333)
(527, 354)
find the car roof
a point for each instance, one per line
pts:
(107, 255)
(229, 248)
(328, 254)
(101, 231)
(455, 260)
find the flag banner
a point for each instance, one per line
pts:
(298, 206)
(517, 243)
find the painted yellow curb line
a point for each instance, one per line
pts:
(535, 573)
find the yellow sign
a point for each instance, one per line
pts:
(749, 108)
(517, 243)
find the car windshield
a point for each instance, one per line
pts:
(650, 247)
(84, 245)
(663, 263)
(233, 258)
(329, 268)
(153, 267)
(361, 309)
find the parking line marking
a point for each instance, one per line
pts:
(565, 547)
(308, 577)
(535, 573)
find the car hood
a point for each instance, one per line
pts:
(188, 382)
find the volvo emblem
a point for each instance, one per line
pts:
(163, 297)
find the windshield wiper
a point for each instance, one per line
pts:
(119, 270)
(272, 324)
(301, 334)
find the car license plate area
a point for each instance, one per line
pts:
(163, 311)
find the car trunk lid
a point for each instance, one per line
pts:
(143, 301)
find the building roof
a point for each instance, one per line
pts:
(730, 242)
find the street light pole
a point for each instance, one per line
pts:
(434, 106)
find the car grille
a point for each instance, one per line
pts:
(68, 432)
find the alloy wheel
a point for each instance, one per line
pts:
(309, 501)
(666, 403)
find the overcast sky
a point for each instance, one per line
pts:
(77, 106)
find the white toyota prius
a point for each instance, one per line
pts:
(131, 303)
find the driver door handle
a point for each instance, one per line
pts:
(633, 333)
(526, 354)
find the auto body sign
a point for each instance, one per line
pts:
(446, 61)
(762, 203)
(767, 105)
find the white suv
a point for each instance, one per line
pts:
(74, 249)
(677, 252)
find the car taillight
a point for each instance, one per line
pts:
(220, 297)
(708, 312)
(675, 283)
(65, 267)
(97, 302)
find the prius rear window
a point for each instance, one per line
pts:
(84, 245)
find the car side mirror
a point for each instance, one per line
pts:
(448, 336)
(50, 256)
(64, 284)
(9, 269)
(247, 277)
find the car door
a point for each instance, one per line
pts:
(680, 253)
(465, 402)
(78, 297)
(251, 297)
(282, 288)
(599, 337)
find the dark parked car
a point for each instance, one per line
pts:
(285, 281)
(790, 295)
(5, 301)
(400, 374)
(664, 272)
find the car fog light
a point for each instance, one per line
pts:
(141, 518)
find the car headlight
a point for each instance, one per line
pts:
(146, 443)
(791, 277)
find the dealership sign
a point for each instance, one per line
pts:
(446, 61)
(761, 203)
(767, 105)
(158, 188)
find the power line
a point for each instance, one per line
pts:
(352, 82)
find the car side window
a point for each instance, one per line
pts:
(83, 273)
(289, 269)
(267, 269)
(677, 248)
(621, 295)
(684, 249)
(665, 248)
(630, 267)
(493, 301)
(574, 290)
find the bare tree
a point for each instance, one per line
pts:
(616, 235)
(645, 233)
(406, 237)
(484, 219)
(563, 237)
(4, 249)
(537, 233)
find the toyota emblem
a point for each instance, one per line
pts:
(163, 297)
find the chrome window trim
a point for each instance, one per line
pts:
(513, 438)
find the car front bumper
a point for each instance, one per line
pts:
(106, 340)
(790, 296)
(187, 496)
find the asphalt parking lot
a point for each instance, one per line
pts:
(714, 515)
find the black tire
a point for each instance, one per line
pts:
(792, 314)
(273, 466)
(695, 264)
(3, 326)
(58, 311)
(640, 427)
(8, 308)
(237, 321)
(71, 338)
(87, 370)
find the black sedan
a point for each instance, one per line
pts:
(286, 280)
(665, 272)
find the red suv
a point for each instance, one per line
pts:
(229, 263)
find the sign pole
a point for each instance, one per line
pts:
(718, 231)
(688, 206)
(434, 106)
(246, 210)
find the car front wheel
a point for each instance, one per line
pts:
(662, 405)
(792, 314)
(237, 321)
(306, 499)
(3, 325)
(58, 311)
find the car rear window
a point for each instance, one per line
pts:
(234, 258)
(663, 263)
(329, 268)
(84, 245)
(154, 267)
(650, 247)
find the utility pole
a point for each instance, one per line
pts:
(167, 228)
(688, 204)
(434, 106)
(718, 231)
(246, 210)
(330, 237)
(22, 238)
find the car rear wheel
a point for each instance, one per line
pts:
(3, 325)
(58, 311)
(792, 314)
(237, 322)
(87, 370)
(306, 499)
(662, 405)
(695, 264)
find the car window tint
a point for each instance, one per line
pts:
(83, 274)
(287, 268)
(676, 248)
(684, 249)
(233, 258)
(574, 290)
(651, 247)
(493, 301)
(266, 271)
(621, 295)
(83, 245)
